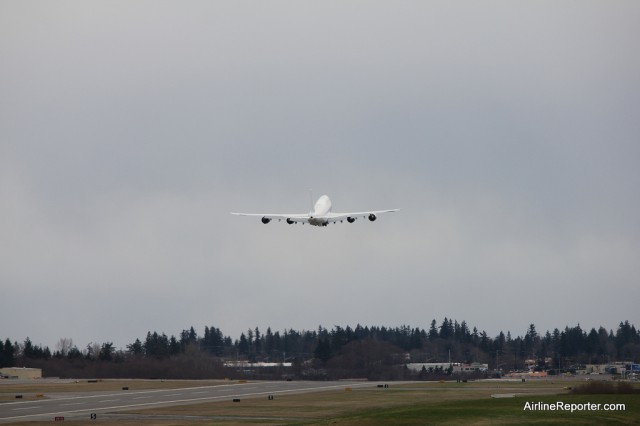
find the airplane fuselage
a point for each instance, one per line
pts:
(320, 209)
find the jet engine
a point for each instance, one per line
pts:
(289, 221)
(266, 220)
(372, 217)
(351, 219)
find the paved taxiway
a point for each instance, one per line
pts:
(83, 405)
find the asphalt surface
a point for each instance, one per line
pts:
(89, 405)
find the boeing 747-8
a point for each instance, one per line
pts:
(320, 215)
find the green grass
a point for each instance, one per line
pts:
(501, 411)
(418, 404)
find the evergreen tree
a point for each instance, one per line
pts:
(499, 343)
(433, 331)
(27, 349)
(213, 341)
(74, 353)
(258, 341)
(135, 348)
(106, 352)
(465, 334)
(323, 350)
(446, 329)
(7, 354)
(243, 345)
(156, 345)
(175, 347)
(485, 344)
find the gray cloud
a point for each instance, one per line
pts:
(508, 135)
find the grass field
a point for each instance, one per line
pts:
(401, 404)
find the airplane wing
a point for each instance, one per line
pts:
(317, 220)
(352, 216)
(267, 217)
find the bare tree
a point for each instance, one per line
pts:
(64, 345)
(93, 350)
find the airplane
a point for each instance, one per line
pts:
(320, 215)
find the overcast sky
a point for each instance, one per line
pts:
(507, 132)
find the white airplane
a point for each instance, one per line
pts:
(320, 215)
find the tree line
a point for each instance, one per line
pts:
(369, 351)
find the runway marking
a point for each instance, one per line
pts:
(23, 408)
(142, 397)
(197, 393)
(66, 398)
(73, 403)
(109, 400)
(174, 394)
(210, 398)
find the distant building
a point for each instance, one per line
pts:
(456, 367)
(526, 375)
(247, 364)
(613, 368)
(20, 373)
(431, 366)
(474, 367)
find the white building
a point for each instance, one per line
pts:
(21, 373)
(457, 367)
(474, 367)
(431, 366)
(247, 364)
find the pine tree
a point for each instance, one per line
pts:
(433, 331)
(135, 348)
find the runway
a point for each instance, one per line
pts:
(90, 405)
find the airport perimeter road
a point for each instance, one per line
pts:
(83, 405)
